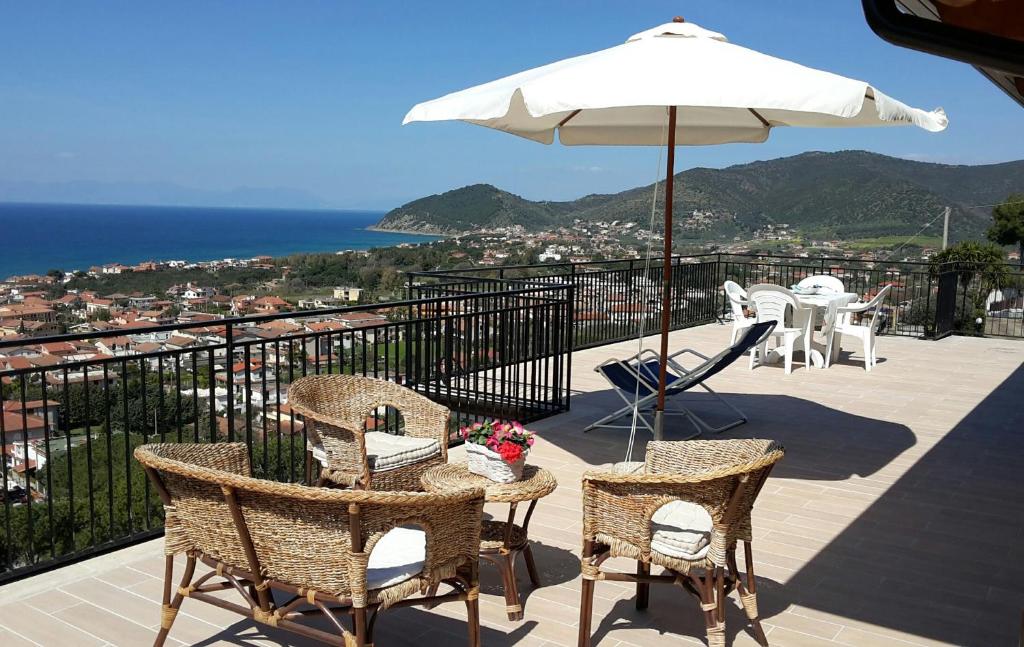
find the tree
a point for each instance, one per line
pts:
(980, 269)
(972, 259)
(1008, 224)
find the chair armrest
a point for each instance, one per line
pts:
(691, 352)
(344, 446)
(855, 307)
(672, 358)
(227, 457)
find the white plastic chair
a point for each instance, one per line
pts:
(864, 330)
(737, 300)
(794, 321)
(822, 280)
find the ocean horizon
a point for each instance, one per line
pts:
(38, 237)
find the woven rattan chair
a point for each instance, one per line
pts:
(326, 552)
(683, 509)
(335, 409)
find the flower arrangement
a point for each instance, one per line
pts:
(497, 450)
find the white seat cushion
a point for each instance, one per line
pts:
(386, 451)
(396, 557)
(681, 529)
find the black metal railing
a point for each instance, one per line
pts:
(909, 308)
(923, 301)
(613, 300)
(486, 342)
(71, 487)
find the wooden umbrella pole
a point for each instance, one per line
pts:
(666, 277)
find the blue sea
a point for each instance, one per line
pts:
(35, 238)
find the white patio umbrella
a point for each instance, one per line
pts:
(675, 84)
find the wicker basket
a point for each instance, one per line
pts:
(489, 463)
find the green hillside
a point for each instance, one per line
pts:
(848, 194)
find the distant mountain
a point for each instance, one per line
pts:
(847, 194)
(156, 194)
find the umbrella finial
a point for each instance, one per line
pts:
(678, 19)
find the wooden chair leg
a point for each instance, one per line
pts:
(169, 609)
(748, 596)
(506, 564)
(431, 592)
(720, 593)
(705, 585)
(643, 589)
(359, 619)
(473, 618)
(586, 611)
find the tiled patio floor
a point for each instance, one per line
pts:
(896, 518)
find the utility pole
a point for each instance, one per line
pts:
(945, 229)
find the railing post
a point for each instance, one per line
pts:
(229, 335)
(572, 302)
(571, 341)
(409, 281)
(945, 303)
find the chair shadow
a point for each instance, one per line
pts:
(675, 611)
(846, 358)
(410, 626)
(556, 566)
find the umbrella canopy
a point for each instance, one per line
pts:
(675, 84)
(723, 92)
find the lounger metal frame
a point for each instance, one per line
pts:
(642, 368)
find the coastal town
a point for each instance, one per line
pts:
(298, 324)
(468, 324)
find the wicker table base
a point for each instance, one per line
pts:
(501, 542)
(495, 550)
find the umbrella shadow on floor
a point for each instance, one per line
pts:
(822, 443)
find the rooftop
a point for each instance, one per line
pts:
(895, 519)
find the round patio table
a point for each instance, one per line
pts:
(500, 541)
(825, 305)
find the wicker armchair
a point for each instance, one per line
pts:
(683, 509)
(327, 552)
(335, 409)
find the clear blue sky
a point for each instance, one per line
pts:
(215, 95)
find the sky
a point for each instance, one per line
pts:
(310, 96)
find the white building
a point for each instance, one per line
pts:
(347, 293)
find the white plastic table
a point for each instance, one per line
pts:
(827, 305)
